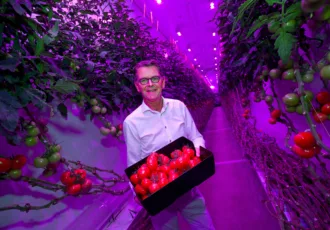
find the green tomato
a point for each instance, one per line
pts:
(15, 173)
(290, 109)
(288, 65)
(94, 101)
(321, 64)
(288, 75)
(40, 162)
(325, 72)
(328, 57)
(275, 73)
(96, 109)
(31, 141)
(55, 148)
(273, 26)
(54, 158)
(32, 132)
(308, 77)
(269, 99)
(291, 99)
(290, 26)
(299, 109)
(309, 96)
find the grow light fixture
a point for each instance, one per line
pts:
(189, 49)
(212, 5)
(213, 34)
(159, 1)
(212, 86)
(179, 33)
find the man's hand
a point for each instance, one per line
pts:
(198, 151)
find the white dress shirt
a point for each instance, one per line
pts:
(146, 130)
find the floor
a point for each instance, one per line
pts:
(234, 194)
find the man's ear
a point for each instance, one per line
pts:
(137, 87)
(163, 82)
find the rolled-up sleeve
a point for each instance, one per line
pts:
(191, 130)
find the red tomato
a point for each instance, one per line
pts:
(162, 175)
(18, 162)
(74, 189)
(5, 165)
(185, 147)
(323, 97)
(190, 152)
(276, 113)
(304, 140)
(134, 179)
(162, 182)
(173, 176)
(140, 190)
(164, 159)
(326, 109)
(81, 173)
(272, 120)
(304, 153)
(67, 178)
(144, 197)
(174, 164)
(197, 160)
(154, 188)
(192, 163)
(143, 172)
(86, 186)
(152, 162)
(164, 168)
(176, 153)
(145, 183)
(320, 117)
(183, 162)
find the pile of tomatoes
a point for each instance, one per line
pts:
(76, 181)
(159, 170)
(305, 145)
(13, 166)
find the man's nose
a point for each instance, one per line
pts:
(149, 82)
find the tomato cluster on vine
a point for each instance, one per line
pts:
(159, 170)
(76, 181)
(13, 165)
(305, 145)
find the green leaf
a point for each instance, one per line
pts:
(41, 67)
(7, 98)
(9, 106)
(293, 12)
(63, 110)
(54, 30)
(284, 44)
(66, 87)
(272, 2)
(48, 39)
(11, 79)
(265, 19)
(9, 64)
(17, 7)
(8, 117)
(40, 47)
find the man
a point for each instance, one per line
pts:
(155, 123)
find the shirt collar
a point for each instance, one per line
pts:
(145, 108)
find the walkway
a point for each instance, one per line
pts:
(234, 194)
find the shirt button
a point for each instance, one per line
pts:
(165, 127)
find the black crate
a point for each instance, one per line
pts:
(185, 182)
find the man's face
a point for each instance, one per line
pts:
(151, 91)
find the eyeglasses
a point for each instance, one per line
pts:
(144, 81)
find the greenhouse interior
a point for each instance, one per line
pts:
(162, 114)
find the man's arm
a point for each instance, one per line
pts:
(192, 131)
(132, 145)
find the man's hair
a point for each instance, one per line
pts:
(146, 63)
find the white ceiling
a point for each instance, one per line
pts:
(191, 18)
